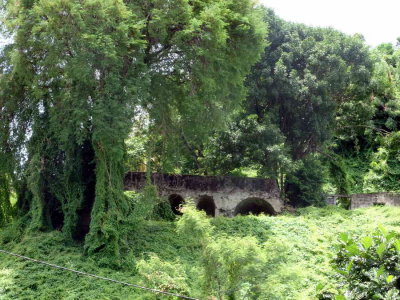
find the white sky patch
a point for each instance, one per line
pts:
(4, 42)
(377, 21)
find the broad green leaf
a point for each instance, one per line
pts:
(390, 235)
(345, 273)
(389, 279)
(353, 249)
(397, 245)
(344, 237)
(367, 242)
(319, 287)
(349, 266)
(380, 271)
(383, 230)
(381, 249)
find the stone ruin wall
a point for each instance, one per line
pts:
(366, 200)
(227, 192)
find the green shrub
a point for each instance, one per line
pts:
(163, 275)
(13, 232)
(195, 225)
(142, 203)
(163, 211)
(242, 226)
(369, 267)
(234, 268)
(339, 175)
(148, 205)
(384, 171)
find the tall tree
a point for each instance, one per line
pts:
(369, 146)
(303, 76)
(77, 71)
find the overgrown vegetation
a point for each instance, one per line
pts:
(320, 105)
(75, 76)
(283, 257)
(92, 89)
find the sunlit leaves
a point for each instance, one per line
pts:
(368, 266)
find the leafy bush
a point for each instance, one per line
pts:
(234, 268)
(163, 211)
(163, 275)
(148, 205)
(369, 267)
(339, 175)
(13, 232)
(384, 173)
(242, 226)
(195, 225)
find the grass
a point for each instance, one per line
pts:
(299, 249)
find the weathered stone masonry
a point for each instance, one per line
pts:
(217, 195)
(365, 200)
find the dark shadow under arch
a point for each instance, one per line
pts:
(254, 206)
(207, 204)
(176, 202)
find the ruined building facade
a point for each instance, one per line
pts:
(216, 195)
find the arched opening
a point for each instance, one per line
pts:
(207, 204)
(254, 206)
(176, 202)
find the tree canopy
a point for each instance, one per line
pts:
(298, 95)
(303, 76)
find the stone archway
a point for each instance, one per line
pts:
(176, 201)
(207, 204)
(226, 191)
(254, 206)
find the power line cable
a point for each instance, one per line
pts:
(97, 276)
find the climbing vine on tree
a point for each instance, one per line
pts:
(75, 73)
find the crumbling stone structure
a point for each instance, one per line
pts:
(365, 200)
(216, 195)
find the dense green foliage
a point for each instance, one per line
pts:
(76, 75)
(367, 136)
(91, 89)
(369, 266)
(303, 75)
(304, 185)
(321, 116)
(5, 200)
(300, 95)
(296, 253)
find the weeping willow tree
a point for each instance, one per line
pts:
(74, 76)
